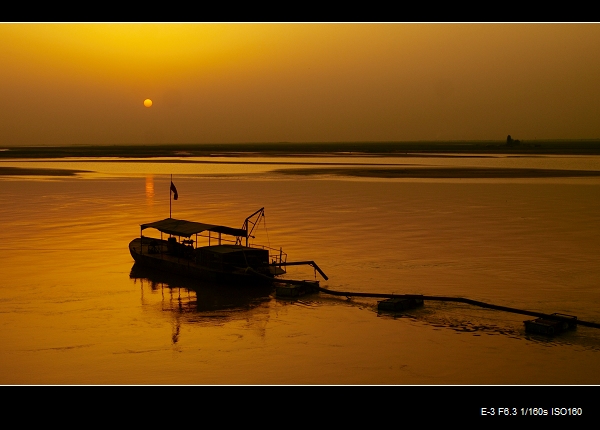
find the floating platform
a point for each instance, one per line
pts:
(399, 304)
(297, 289)
(553, 324)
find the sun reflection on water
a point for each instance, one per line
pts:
(149, 190)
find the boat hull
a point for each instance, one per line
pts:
(155, 256)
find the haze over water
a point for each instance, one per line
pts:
(74, 312)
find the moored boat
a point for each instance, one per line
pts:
(226, 258)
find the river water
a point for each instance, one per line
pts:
(73, 311)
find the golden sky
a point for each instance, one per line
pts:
(63, 84)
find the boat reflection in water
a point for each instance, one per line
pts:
(209, 297)
(196, 302)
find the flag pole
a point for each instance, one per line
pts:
(173, 190)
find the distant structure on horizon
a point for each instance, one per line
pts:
(511, 142)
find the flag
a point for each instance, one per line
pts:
(175, 195)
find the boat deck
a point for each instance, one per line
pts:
(183, 255)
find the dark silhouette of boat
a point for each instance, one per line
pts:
(224, 260)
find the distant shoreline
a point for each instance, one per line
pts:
(284, 149)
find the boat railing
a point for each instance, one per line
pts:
(216, 239)
(159, 246)
(276, 256)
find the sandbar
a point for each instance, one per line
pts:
(20, 171)
(441, 172)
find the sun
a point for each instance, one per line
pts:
(147, 102)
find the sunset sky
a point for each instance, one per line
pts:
(63, 84)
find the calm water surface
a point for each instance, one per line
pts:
(73, 311)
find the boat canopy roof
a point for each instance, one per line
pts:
(180, 227)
